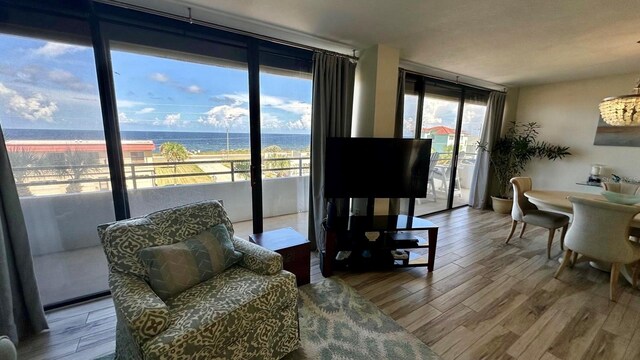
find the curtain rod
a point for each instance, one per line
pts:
(454, 81)
(191, 20)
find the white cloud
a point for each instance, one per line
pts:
(266, 100)
(236, 99)
(61, 75)
(295, 107)
(5, 90)
(159, 77)
(69, 80)
(124, 119)
(33, 108)
(53, 49)
(128, 103)
(226, 116)
(269, 121)
(302, 109)
(194, 89)
(304, 123)
(172, 120)
(145, 110)
(409, 125)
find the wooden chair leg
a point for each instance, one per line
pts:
(549, 241)
(574, 259)
(524, 226)
(564, 232)
(565, 261)
(615, 273)
(513, 229)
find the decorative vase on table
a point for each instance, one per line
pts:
(500, 205)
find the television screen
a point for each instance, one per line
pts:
(376, 168)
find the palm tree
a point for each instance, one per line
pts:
(273, 152)
(75, 164)
(174, 152)
(25, 164)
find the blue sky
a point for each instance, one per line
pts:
(441, 112)
(47, 85)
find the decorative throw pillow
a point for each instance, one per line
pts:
(177, 267)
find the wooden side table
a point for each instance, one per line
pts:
(293, 247)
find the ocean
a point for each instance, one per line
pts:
(193, 141)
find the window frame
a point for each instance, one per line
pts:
(97, 24)
(417, 84)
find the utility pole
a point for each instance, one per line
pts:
(227, 142)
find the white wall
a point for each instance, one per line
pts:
(67, 222)
(568, 113)
(375, 96)
(375, 92)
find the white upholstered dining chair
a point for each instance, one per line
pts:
(600, 231)
(527, 213)
(625, 188)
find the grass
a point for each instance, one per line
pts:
(181, 169)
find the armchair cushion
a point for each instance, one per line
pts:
(142, 309)
(258, 259)
(210, 317)
(174, 268)
(122, 240)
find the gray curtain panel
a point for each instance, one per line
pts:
(394, 204)
(481, 182)
(333, 80)
(21, 311)
(402, 76)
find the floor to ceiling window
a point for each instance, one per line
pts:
(452, 116)
(157, 113)
(54, 136)
(189, 121)
(285, 126)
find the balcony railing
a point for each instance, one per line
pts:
(150, 174)
(30, 179)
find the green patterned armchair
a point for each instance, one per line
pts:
(249, 311)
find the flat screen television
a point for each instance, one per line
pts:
(376, 168)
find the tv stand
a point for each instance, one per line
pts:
(362, 243)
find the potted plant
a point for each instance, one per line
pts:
(512, 153)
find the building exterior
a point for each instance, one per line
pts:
(134, 151)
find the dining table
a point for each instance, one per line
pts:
(555, 200)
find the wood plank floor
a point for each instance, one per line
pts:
(485, 300)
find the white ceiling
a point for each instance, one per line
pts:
(507, 42)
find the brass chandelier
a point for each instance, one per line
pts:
(622, 110)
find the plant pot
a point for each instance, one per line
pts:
(501, 206)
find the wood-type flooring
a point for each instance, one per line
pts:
(485, 300)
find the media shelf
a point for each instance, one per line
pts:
(363, 243)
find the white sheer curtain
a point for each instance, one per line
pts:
(481, 182)
(333, 81)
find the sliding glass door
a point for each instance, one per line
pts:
(184, 125)
(285, 128)
(451, 116)
(56, 144)
(110, 113)
(440, 124)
